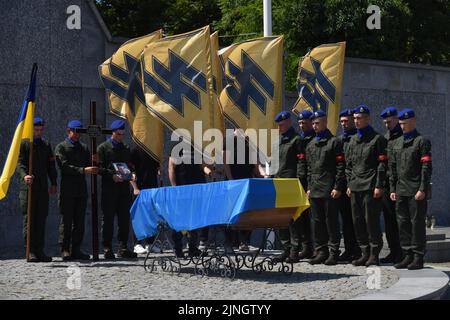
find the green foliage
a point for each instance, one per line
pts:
(414, 31)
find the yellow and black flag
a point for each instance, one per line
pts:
(252, 96)
(319, 82)
(177, 76)
(217, 76)
(121, 77)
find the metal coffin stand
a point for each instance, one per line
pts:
(225, 262)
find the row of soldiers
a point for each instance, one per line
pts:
(357, 175)
(74, 161)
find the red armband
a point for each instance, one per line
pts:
(51, 158)
(301, 156)
(340, 158)
(382, 157)
(425, 159)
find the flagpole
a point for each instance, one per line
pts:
(30, 187)
(267, 12)
(30, 166)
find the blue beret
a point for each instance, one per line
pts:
(305, 115)
(74, 124)
(406, 114)
(38, 121)
(346, 113)
(388, 112)
(118, 125)
(318, 114)
(283, 115)
(362, 109)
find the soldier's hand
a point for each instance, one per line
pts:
(117, 178)
(335, 194)
(52, 190)
(349, 192)
(91, 170)
(420, 195)
(308, 193)
(377, 193)
(136, 191)
(393, 196)
(28, 179)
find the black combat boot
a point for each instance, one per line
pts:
(66, 256)
(333, 258)
(363, 259)
(33, 257)
(306, 253)
(293, 256)
(346, 256)
(125, 253)
(392, 257)
(108, 254)
(283, 256)
(320, 258)
(43, 257)
(405, 262)
(374, 259)
(417, 263)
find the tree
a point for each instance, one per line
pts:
(413, 31)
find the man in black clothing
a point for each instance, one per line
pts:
(146, 169)
(185, 173)
(237, 166)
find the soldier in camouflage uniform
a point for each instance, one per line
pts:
(390, 119)
(352, 250)
(291, 154)
(43, 170)
(116, 192)
(326, 181)
(366, 177)
(73, 159)
(410, 178)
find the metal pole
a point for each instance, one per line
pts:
(30, 187)
(94, 204)
(267, 7)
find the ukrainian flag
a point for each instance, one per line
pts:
(121, 77)
(246, 202)
(177, 82)
(319, 82)
(252, 96)
(24, 130)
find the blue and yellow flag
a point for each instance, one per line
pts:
(24, 130)
(176, 74)
(319, 82)
(121, 77)
(252, 96)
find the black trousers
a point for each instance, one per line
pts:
(39, 213)
(390, 224)
(192, 237)
(71, 228)
(326, 225)
(348, 231)
(115, 204)
(411, 221)
(366, 212)
(298, 235)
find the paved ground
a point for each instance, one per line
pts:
(128, 280)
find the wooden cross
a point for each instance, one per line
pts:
(94, 131)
